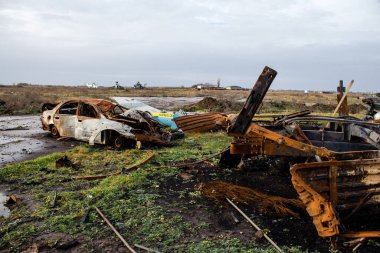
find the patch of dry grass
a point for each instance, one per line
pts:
(29, 98)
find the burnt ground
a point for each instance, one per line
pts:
(285, 231)
(179, 195)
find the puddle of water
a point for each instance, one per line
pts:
(4, 211)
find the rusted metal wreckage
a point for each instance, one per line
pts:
(338, 164)
(204, 122)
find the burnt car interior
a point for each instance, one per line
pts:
(87, 110)
(69, 108)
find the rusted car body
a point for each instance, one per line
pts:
(338, 162)
(103, 122)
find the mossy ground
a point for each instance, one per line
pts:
(149, 206)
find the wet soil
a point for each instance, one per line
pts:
(4, 211)
(22, 138)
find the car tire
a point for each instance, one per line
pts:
(119, 142)
(54, 131)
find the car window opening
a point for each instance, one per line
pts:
(88, 111)
(69, 109)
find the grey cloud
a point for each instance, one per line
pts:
(312, 43)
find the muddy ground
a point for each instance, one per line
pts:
(22, 138)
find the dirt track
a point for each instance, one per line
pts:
(22, 138)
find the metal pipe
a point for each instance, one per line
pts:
(115, 231)
(255, 226)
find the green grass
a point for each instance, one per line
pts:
(133, 202)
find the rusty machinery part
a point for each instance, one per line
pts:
(218, 191)
(202, 122)
(269, 143)
(132, 167)
(253, 101)
(280, 119)
(350, 120)
(331, 188)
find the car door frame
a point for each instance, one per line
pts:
(86, 125)
(66, 123)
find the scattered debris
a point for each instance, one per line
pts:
(54, 202)
(85, 216)
(344, 177)
(12, 199)
(132, 167)
(115, 231)
(31, 249)
(146, 248)
(255, 226)
(185, 176)
(15, 128)
(67, 245)
(373, 108)
(64, 161)
(219, 191)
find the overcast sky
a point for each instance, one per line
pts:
(312, 44)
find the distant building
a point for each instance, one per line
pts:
(92, 85)
(233, 87)
(205, 86)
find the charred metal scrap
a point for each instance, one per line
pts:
(339, 173)
(103, 122)
(373, 108)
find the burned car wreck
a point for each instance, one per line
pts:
(334, 161)
(99, 121)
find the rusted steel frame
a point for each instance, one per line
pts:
(360, 234)
(115, 231)
(253, 101)
(265, 147)
(333, 172)
(282, 140)
(325, 219)
(331, 119)
(133, 167)
(298, 133)
(281, 119)
(362, 202)
(368, 154)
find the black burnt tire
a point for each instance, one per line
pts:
(54, 131)
(119, 142)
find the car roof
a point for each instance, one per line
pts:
(103, 104)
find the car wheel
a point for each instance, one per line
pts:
(54, 131)
(119, 142)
